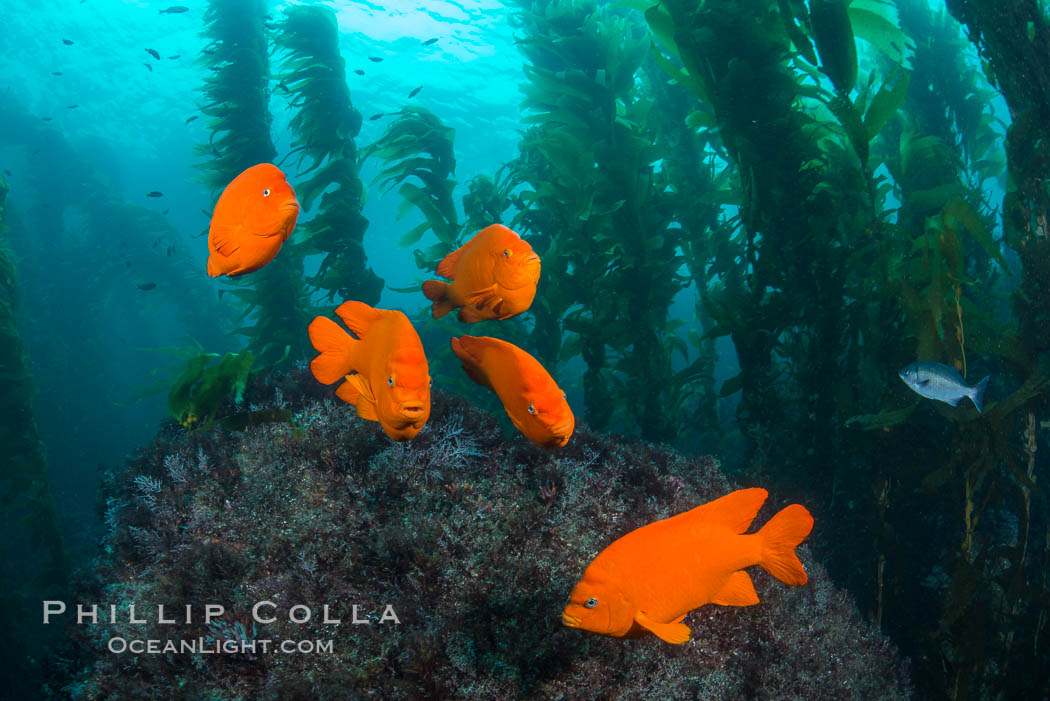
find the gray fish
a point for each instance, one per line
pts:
(943, 383)
(174, 10)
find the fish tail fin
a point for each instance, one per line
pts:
(336, 348)
(978, 394)
(437, 292)
(780, 535)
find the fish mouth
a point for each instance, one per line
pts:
(570, 621)
(562, 432)
(558, 442)
(411, 411)
(534, 258)
(290, 207)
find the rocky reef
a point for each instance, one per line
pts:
(472, 538)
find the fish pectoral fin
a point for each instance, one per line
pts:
(366, 409)
(470, 315)
(362, 396)
(738, 591)
(485, 298)
(922, 383)
(224, 239)
(675, 633)
(347, 392)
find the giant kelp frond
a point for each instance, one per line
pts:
(314, 74)
(237, 96)
(205, 385)
(598, 219)
(487, 199)
(418, 147)
(235, 90)
(325, 125)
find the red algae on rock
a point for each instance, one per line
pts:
(472, 538)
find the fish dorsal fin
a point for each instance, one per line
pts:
(738, 591)
(675, 633)
(358, 316)
(224, 239)
(448, 264)
(466, 349)
(735, 510)
(358, 392)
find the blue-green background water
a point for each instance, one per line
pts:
(87, 239)
(87, 325)
(127, 136)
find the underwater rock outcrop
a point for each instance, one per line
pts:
(473, 539)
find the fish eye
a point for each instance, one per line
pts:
(390, 380)
(590, 603)
(563, 395)
(532, 409)
(430, 382)
(266, 192)
(506, 253)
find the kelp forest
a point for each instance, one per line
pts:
(827, 184)
(751, 215)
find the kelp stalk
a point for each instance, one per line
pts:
(237, 107)
(325, 126)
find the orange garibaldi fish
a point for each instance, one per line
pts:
(493, 275)
(254, 216)
(533, 401)
(387, 377)
(649, 579)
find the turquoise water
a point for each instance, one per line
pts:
(751, 215)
